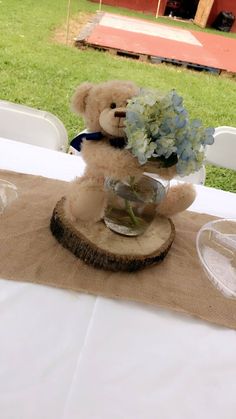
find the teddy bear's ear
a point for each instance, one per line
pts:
(80, 96)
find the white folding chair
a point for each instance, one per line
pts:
(32, 126)
(223, 151)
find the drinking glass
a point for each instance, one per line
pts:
(8, 194)
(216, 247)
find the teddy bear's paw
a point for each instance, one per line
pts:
(178, 199)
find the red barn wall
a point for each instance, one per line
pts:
(140, 5)
(223, 5)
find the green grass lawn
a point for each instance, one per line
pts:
(38, 72)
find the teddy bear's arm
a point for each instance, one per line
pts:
(102, 159)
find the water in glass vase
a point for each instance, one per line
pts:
(132, 203)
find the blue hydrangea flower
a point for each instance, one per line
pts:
(157, 125)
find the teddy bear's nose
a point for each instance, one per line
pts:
(120, 114)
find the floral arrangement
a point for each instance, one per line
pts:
(158, 128)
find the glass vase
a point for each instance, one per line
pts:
(132, 203)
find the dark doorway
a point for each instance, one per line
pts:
(184, 9)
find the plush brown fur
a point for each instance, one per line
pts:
(102, 107)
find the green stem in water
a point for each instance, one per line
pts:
(129, 210)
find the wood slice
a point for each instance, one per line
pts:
(98, 246)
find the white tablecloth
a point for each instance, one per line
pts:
(65, 355)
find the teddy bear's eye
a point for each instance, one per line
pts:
(113, 105)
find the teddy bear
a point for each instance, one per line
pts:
(103, 108)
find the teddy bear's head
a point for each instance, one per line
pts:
(103, 106)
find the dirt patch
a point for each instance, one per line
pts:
(76, 24)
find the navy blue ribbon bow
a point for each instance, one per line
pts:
(77, 141)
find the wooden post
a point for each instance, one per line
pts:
(68, 21)
(203, 12)
(158, 8)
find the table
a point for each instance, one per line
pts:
(65, 355)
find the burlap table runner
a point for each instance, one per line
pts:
(29, 252)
